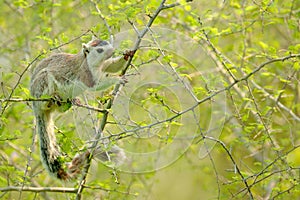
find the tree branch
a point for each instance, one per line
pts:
(115, 91)
(234, 163)
(104, 20)
(19, 80)
(74, 103)
(245, 78)
(38, 189)
(231, 78)
(55, 189)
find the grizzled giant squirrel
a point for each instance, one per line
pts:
(64, 76)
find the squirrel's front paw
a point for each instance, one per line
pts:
(55, 100)
(129, 54)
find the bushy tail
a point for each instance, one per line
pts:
(50, 152)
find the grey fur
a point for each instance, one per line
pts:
(63, 76)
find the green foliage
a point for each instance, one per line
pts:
(229, 67)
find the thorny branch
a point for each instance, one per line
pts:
(221, 62)
(131, 132)
(19, 80)
(266, 170)
(99, 136)
(244, 78)
(74, 103)
(104, 20)
(37, 189)
(55, 189)
(234, 163)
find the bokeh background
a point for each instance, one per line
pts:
(210, 111)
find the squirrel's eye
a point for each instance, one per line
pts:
(99, 50)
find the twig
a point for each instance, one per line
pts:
(89, 107)
(24, 100)
(244, 78)
(261, 119)
(209, 155)
(56, 189)
(221, 57)
(39, 189)
(75, 103)
(277, 102)
(109, 190)
(215, 54)
(29, 159)
(234, 163)
(19, 80)
(104, 20)
(70, 41)
(269, 173)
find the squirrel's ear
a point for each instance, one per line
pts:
(94, 37)
(85, 49)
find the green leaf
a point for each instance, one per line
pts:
(263, 45)
(296, 66)
(176, 123)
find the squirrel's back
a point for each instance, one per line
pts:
(61, 68)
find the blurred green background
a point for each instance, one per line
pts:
(238, 143)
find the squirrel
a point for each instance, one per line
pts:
(62, 77)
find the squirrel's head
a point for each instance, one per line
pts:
(96, 51)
